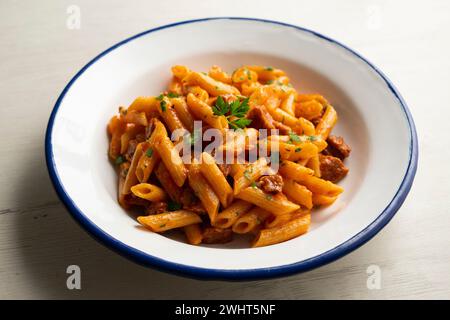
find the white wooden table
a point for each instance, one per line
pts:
(39, 53)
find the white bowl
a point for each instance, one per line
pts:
(374, 120)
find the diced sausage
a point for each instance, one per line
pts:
(337, 147)
(156, 208)
(332, 168)
(271, 184)
(217, 235)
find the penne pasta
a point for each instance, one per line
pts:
(203, 191)
(284, 232)
(277, 204)
(228, 217)
(250, 220)
(216, 179)
(148, 192)
(169, 220)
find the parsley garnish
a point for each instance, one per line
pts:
(149, 152)
(236, 109)
(312, 138)
(293, 137)
(269, 69)
(173, 206)
(160, 97)
(162, 225)
(254, 186)
(163, 106)
(120, 160)
(172, 95)
(298, 149)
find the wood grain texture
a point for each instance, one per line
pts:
(38, 239)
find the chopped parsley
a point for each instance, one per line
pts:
(119, 160)
(268, 69)
(234, 112)
(160, 97)
(162, 225)
(247, 175)
(173, 206)
(163, 106)
(149, 152)
(298, 149)
(254, 186)
(293, 137)
(312, 138)
(173, 95)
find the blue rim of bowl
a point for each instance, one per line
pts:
(237, 274)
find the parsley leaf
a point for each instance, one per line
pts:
(160, 97)
(163, 106)
(298, 149)
(120, 160)
(269, 68)
(149, 152)
(172, 95)
(236, 109)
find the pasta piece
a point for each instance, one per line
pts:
(149, 192)
(277, 204)
(199, 93)
(169, 115)
(172, 160)
(203, 191)
(288, 104)
(131, 178)
(213, 87)
(326, 123)
(203, 111)
(314, 164)
(147, 163)
(218, 74)
(169, 220)
(182, 111)
(144, 104)
(322, 200)
(311, 109)
(276, 220)
(266, 73)
(244, 74)
(287, 231)
(296, 152)
(193, 234)
(180, 72)
(247, 175)
(228, 217)
(294, 170)
(166, 181)
(298, 193)
(137, 118)
(216, 179)
(250, 220)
